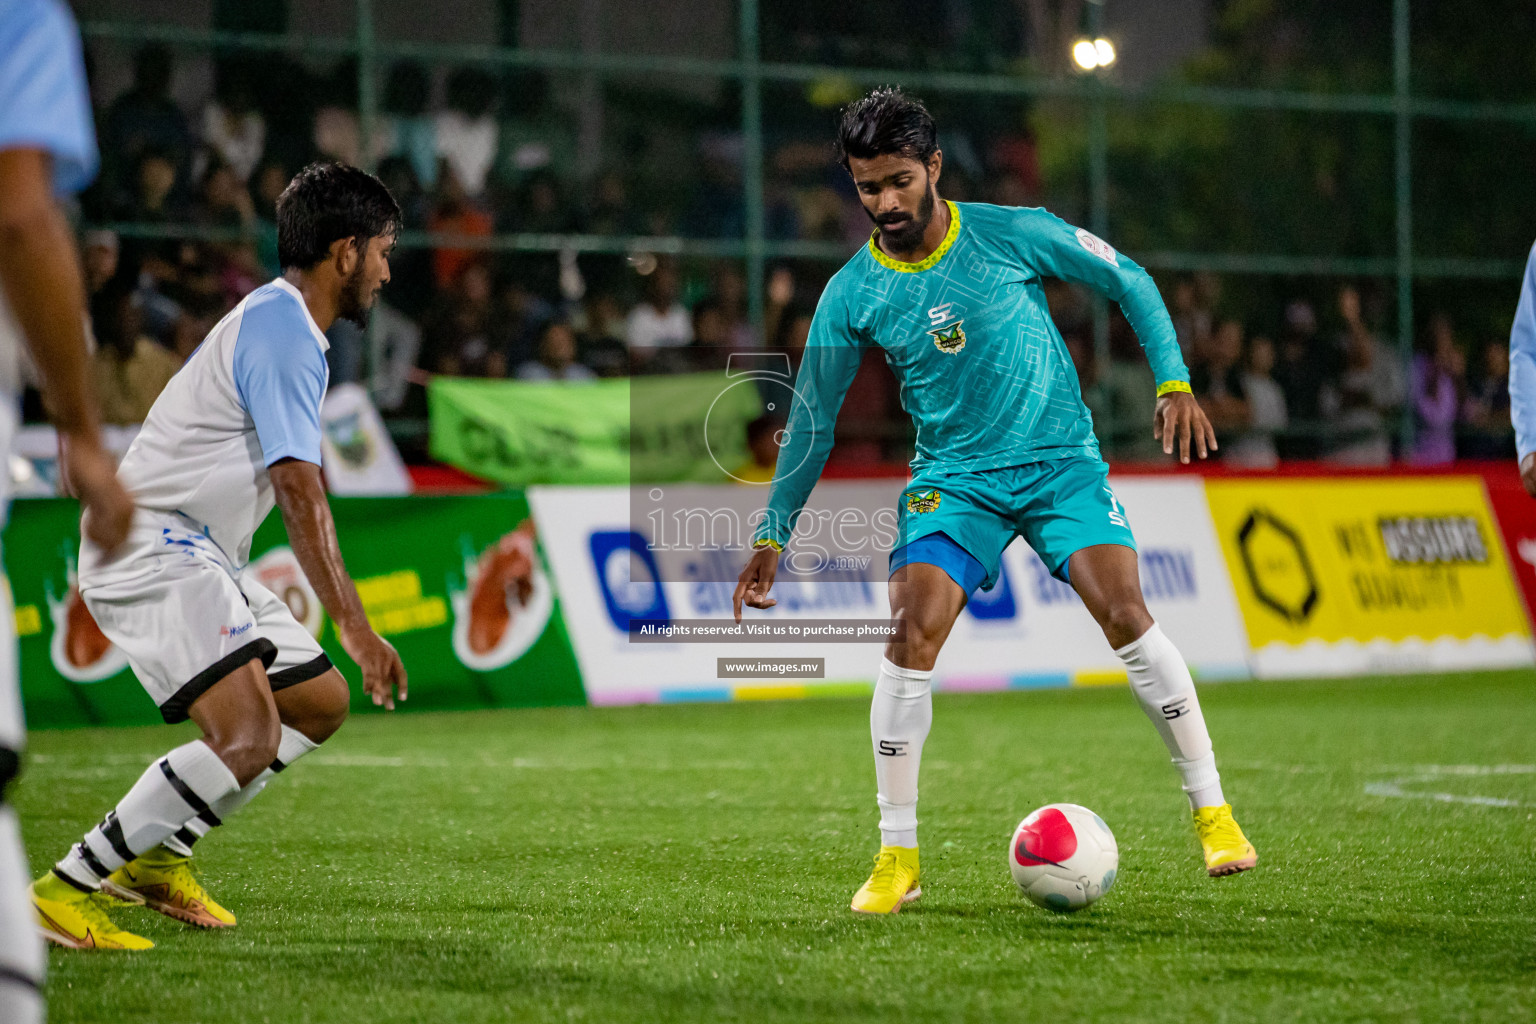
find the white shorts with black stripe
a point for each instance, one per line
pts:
(186, 619)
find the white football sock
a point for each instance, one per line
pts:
(899, 720)
(1162, 685)
(175, 788)
(290, 748)
(21, 951)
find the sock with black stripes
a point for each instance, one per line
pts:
(182, 784)
(290, 748)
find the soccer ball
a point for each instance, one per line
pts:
(1063, 857)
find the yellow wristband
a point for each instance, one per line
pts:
(1170, 386)
(764, 542)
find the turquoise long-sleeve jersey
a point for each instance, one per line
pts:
(983, 371)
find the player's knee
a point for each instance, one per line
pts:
(250, 749)
(1125, 620)
(330, 712)
(918, 639)
(323, 709)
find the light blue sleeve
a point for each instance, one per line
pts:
(1057, 249)
(1522, 362)
(43, 99)
(281, 375)
(833, 352)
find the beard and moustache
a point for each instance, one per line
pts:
(356, 299)
(902, 232)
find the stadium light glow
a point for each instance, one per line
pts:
(1093, 53)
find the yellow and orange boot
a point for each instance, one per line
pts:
(163, 880)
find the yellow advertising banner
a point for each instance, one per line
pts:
(1374, 574)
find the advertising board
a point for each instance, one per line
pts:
(455, 583)
(1347, 576)
(613, 567)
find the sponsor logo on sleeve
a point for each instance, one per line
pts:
(1096, 245)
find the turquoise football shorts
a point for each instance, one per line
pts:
(1059, 507)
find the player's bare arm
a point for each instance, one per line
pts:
(1179, 420)
(42, 278)
(301, 499)
(756, 580)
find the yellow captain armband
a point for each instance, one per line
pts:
(1168, 387)
(764, 542)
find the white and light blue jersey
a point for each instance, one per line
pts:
(44, 103)
(248, 397)
(1522, 362)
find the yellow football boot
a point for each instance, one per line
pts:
(74, 919)
(163, 881)
(1227, 850)
(892, 884)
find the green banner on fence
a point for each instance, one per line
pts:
(457, 584)
(652, 429)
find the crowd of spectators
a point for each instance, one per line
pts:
(1305, 391)
(484, 160)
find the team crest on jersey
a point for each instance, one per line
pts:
(924, 501)
(951, 339)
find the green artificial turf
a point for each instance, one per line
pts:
(696, 862)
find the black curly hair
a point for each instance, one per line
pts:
(327, 201)
(886, 120)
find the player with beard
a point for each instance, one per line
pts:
(1005, 447)
(236, 431)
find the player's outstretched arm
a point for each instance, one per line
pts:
(41, 278)
(831, 359)
(1179, 420)
(756, 580)
(306, 513)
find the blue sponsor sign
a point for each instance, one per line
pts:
(627, 574)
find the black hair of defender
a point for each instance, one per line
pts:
(886, 120)
(327, 201)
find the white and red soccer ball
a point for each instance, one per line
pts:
(1063, 857)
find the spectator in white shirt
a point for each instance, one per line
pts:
(1266, 409)
(232, 126)
(466, 133)
(557, 357)
(659, 321)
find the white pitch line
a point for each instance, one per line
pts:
(1437, 772)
